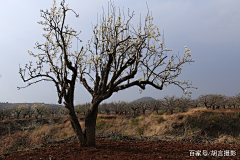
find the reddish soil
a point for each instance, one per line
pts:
(124, 149)
(127, 149)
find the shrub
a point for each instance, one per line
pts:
(154, 113)
(110, 125)
(160, 119)
(140, 130)
(134, 121)
(166, 131)
(100, 124)
(64, 135)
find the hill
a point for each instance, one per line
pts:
(143, 99)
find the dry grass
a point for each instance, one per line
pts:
(195, 122)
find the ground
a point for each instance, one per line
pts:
(157, 144)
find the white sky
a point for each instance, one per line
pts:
(209, 28)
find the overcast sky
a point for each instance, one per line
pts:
(209, 28)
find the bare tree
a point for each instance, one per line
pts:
(40, 109)
(65, 87)
(170, 103)
(237, 97)
(63, 111)
(53, 111)
(144, 105)
(232, 102)
(184, 103)
(105, 107)
(135, 107)
(18, 110)
(208, 100)
(116, 60)
(156, 105)
(27, 111)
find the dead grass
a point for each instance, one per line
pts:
(199, 122)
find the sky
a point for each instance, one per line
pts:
(209, 28)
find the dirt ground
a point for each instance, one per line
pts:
(128, 149)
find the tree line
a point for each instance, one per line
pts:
(168, 103)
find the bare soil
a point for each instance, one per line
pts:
(124, 149)
(165, 147)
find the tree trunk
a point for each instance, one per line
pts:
(90, 124)
(76, 127)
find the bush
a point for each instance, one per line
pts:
(134, 121)
(140, 130)
(100, 124)
(110, 125)
(154, 113)
(166, 131)
(160, 119)
(64, 135)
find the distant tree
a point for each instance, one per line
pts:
(184, 103)
(18, 109)
(144, 105)
(208, 100)
(105, 108)
(238, 99)
(233, 102)
(7, 112)
(78, 108)
(40, 109)
(115, 55)
(53, 111)
(170, 103)
(27, 111)
(63, 111)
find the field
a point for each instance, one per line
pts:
(150, 136)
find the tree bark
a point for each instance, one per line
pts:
(90, 124)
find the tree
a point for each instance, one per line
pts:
(170, 103)
(63, 35)
(237, 97)
(18, 109)
(105, 108)
(184, 103)
(208, 100)
(144, 105)
(115, 55)
(135, 107)
(27, 110)
(155, 105)
(40, 109)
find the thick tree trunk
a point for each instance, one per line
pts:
(90, 124)
(76, 127)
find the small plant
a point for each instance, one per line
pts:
(100, 124)
(142, 139)
(110, 125)
(64, 135)
(238, 114)
(166, 131)
(154, 113)
(154, 138)
(134, 121)
(160, 119)
(140, 130)
(165, 126)
(2, 156)
(143, 118)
